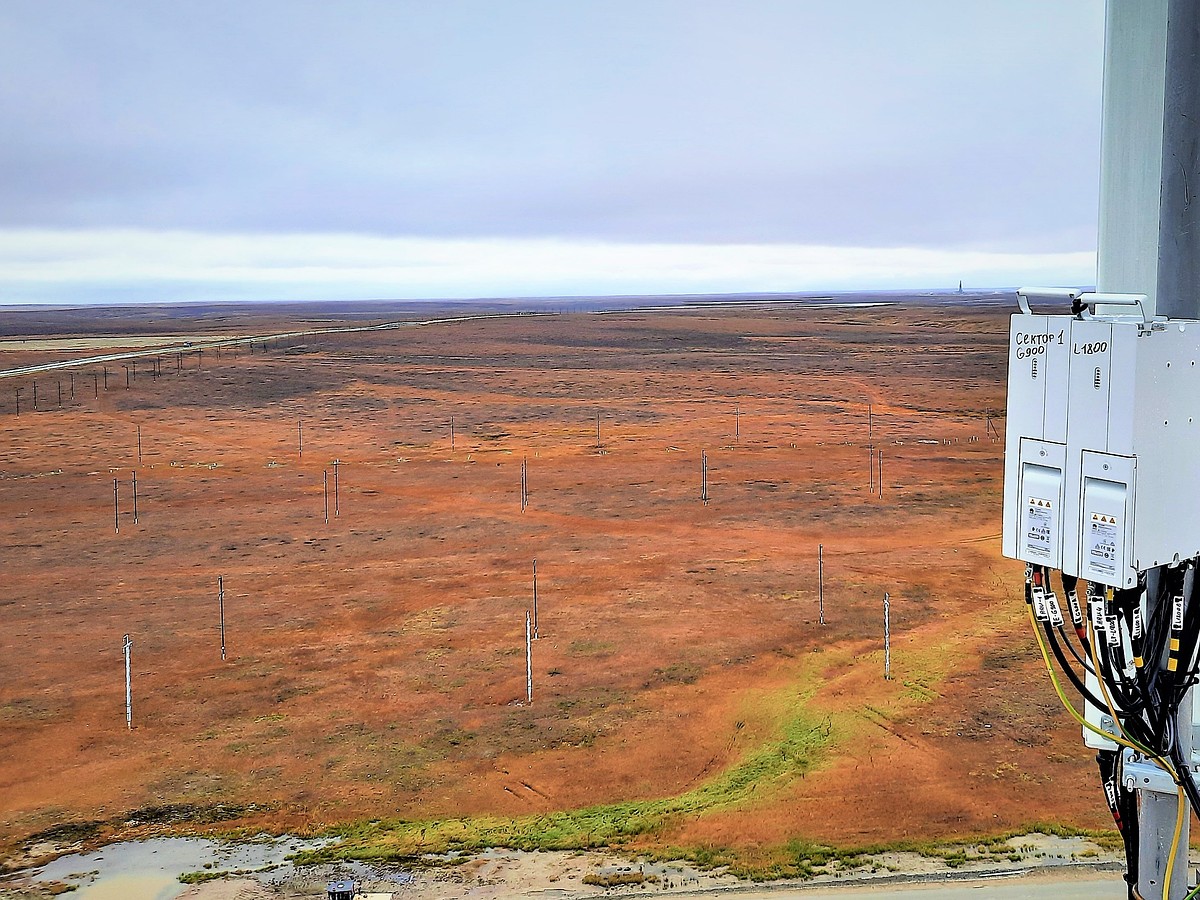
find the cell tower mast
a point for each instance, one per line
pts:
(1101, 477)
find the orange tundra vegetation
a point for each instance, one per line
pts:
(376, 664)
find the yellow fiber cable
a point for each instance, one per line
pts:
(1063, 697)
(1112, 708)
(1166, 892)
(1108, 700)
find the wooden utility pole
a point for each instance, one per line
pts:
(535, 602)
(887, 637)
(821, 583)
(528, 661)
(128, 647)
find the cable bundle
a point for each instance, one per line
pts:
(1140, 647)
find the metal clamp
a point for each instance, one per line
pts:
(1024, 295)
(1139, 774)
(1079, 298)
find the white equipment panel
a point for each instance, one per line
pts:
(1102, 477)
(1037, 413)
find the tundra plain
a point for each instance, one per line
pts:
(686, 697)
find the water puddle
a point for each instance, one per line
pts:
(150, 870)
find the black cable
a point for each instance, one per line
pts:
(1086, 662)
(1069, 671)
(1070, 585)
(1122, 804)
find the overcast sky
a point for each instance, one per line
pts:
(246, 150)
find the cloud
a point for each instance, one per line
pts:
(868, 123)
(82, 266)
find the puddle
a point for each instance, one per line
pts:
(150, 870)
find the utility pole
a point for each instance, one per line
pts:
(300, 437)
(128, 645)
(337, 505)
(887, 637)
(221, 604)
(135, 511)
(535, 603)
(116, 510)
(821, 583)
(871, 447)
(528, 661)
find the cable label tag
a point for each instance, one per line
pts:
(1097, 612)
(1076, 612)
(1110, 793)
(1136, 630)
(1039, 604)
(1177, 613)
(1114, 631)
(1054, 610)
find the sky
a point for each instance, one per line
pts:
(284, 149)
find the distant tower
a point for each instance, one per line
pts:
(960, 290)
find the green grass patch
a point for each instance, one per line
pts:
(200, 877)
(797, 750)
(798, 732)
(799, 859)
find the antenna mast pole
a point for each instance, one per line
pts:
(1149, 243)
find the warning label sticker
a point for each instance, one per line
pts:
(1103, 536)
(1039, 526)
